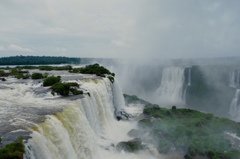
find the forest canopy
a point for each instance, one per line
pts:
(37, 60)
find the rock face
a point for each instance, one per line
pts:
(3, 79)
(130, 146)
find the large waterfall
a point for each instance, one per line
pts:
(172, 87)
(83, 128)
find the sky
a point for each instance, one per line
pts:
(120, 28)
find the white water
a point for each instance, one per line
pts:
(235, 107)
(79, 129)
(189, 77)
(171, 90)
(234, 79)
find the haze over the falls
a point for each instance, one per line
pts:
(204, 84)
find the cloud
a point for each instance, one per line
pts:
(61, 49)
(119, 43)
(123, 28)
(17, 48)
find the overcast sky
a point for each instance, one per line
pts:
(120, 28)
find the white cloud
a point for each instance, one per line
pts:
(2, 48)
(61, 49)
(119, 43)
(17, 48)
(156, 28)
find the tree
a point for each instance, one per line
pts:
(37, 75)
(49, 81)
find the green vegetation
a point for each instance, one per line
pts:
(64, 88)
(19, 72)
(15, 72)
(75, 91)
(13, 150)
(51, 80)
(57, 68)
(61, 88)
(205, 93)
(111, 78)
(3, 73)
(134, 99)
(93, 69)
(130, 146)
(187, 130)
(37, 60)
(37, 75)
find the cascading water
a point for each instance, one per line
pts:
(189, 76)
(234, 82)
(171, 90)
(235, 106)
(234, 79)
(68, 128)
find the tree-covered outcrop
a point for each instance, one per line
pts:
(37, 75)
(65, 88)
(93, 69)
(37, 60)
(130, 146)
(51, 80)
(194, 133)
(13, 150)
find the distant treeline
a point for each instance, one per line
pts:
(37, 60)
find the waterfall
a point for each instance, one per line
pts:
(171, 90)
(238, 79)
(189, 77)
(234, 79)
(235, 107)
(86, 128)
(232, 82)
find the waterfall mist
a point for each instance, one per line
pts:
(204, 85)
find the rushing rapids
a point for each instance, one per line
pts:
(67, 128)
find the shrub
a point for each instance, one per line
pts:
(22, 76)
(37, 75)
(75, 91)
(111, 78)
(49, 81)
(174, 107)
(73, 84)
(94, 69)
(61, 88)
(64, 88)
(130, 146)
(13, 150)
(2, 73)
